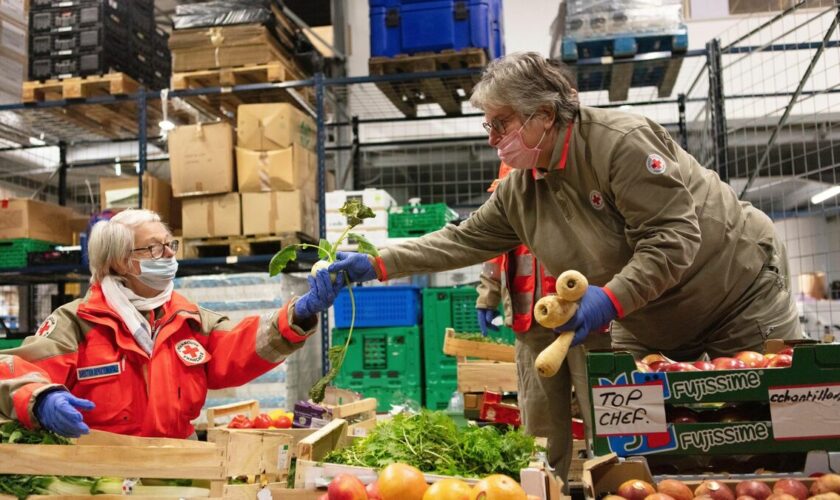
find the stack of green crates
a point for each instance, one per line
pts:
(382, 363)
(416, 220)
(451, 307)
(13, 252)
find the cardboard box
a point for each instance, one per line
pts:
(121, 192)
(278, 170)
(212, 216)
(13, 36)
(24, 218)
(279, 212)
(201, 159)
(263, 127)
(16, 10)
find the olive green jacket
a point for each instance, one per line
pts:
(633, 212)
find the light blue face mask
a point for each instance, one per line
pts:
(157, 274)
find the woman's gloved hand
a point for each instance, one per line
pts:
(595, 311)
(321, 295)
(58, 411)
(485, 320)
(357, 266)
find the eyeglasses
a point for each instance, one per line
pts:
(498, 125)
(156, 250)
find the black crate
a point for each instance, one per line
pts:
(66, 43)
(92, 63)
(72, 18)
(143, 20)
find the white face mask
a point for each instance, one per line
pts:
(158, 273)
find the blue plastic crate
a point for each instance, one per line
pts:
(413, 26)
(379, 306)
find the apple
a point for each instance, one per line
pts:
(372, 491)
(704, 366)
(787, 350)
(675, 489)
(346, 487)
(679, 367)
(655, 357)
(635, 489)
(780, 361)
(752, 359)
(827, 483)
(754, 489)
(791, 487)
(715, 489)
(657, 366)
(725, 363)
(659, 496)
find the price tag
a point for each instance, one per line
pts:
(629, 409)
(283, 457)
(805, 411)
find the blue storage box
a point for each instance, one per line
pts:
(413, 26)
(378, 306)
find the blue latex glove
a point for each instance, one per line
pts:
(595, 310)
(57, 411)
(485, 320)
(357, 266)
(321, 295)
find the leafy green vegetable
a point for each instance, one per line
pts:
(281, 259)
(365, 246)
(432, 442)
(477, 337)
(325, 250)
(355, 212)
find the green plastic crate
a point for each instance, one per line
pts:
(450, 307)
(387, 393)
(438, 394)
(417, 220)
(382, 360)
(13, 252)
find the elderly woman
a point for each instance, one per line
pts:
(135, 357)
(672, 255)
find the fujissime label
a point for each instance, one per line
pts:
(699, 388)
(710, 438)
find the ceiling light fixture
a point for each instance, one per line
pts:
(826, 194)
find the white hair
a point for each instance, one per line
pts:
(111, 241)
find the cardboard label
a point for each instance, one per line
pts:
(283, 457)
(629, 409)
(805, 411)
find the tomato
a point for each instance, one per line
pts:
(283, 422)
(240, 422)
(262, 421)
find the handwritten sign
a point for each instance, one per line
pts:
(805, 411)
(629, 409)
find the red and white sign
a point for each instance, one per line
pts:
(656, 164)
(805, 411)
(596, 199)
(46, 327)
(629, 409)
(191, 352)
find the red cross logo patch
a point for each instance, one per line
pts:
(656, 164)
(191, 352)
(46, 327)
(596, 199)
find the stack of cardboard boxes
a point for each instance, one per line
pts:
(275, 168)
(13, 48)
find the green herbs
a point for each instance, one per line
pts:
(477, 337)
(14, 432)
(356, 213)
(433, 443)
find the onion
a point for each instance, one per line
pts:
(827, 483)
(635, 489)
(755, 489)
(676, 489)
(715, 489)
(791, 487)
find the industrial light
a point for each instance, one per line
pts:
(117, 167)
(36, 141)
(824, 195)
(166, 125)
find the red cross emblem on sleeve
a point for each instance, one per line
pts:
(596, 199)
(46, 327)
(191, 352)
(655, 164)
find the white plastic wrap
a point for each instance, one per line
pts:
(604, 18)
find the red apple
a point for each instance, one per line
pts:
(781, 496)
(780, 361)
(325, 496)
(787, 350)
(704, 366)
(659, 496)
(728, 364)
(372, 491)
(745, 497)
(715, 489)
(675, 489)
(679, 367)
(791, 487)
(657, 366)
(635, 489)
(346, 487)
(752, 359)
(755, 489)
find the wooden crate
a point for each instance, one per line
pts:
(461, 348)
(105, 454)
(346, 405)
(480, 376)
(311, 472)
(227, 246)
(448, 93)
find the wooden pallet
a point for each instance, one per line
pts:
(448, 93)
(461, 348)
(114, 120)
(230, 246)
(225, 104)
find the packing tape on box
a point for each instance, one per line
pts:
(211, 219)
(262, 173)
(272, 213)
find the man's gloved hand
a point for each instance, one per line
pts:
(321, 295)
(485, 320)
(357, 266)
(57, 411)
(595, 310)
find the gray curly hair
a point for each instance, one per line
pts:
(527, 81)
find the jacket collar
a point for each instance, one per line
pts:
(96, 310)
